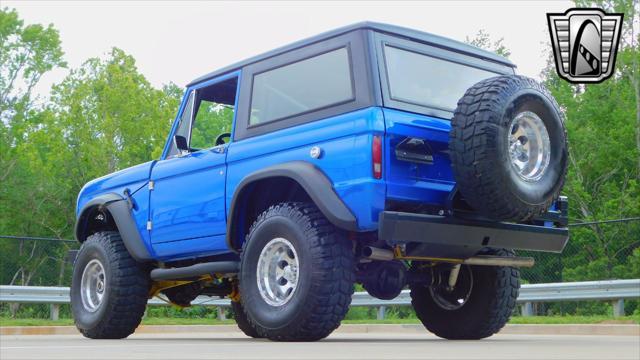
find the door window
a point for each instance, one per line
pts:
(214, 114)
(207, 116)
(212, 119)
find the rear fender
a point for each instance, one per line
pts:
(312, 180)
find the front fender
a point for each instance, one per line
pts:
(120, 210)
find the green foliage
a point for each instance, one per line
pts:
(482, 39)
(103, 117)
(193, 312)
(603, 123)
(26, 53)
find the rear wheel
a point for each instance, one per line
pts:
(109, 289)
(296, 274)
(478, 306)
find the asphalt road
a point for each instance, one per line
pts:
(338, 346)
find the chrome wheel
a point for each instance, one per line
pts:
(277, 272)
(453, 298)
(93, 285)
(529, 146)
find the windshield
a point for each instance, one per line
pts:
(424, 80)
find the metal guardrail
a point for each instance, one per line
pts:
(609, 290)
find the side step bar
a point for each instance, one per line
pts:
(196, 270)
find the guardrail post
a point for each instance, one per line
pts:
(527, 309)
(381, 312)
(618, 308)
(54, 311)
(221, 314)
(13, 309)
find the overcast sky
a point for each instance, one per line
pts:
(179, 41)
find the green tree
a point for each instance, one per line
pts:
(603, 123)
(103, 117)
(483, 40)
(26, 53)
(628, 64)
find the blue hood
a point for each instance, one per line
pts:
(132, 178)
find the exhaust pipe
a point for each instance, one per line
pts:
(373, 253)
(500, 261)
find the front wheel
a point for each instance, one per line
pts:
(241, 320)
(296, 274)
(109, 288)
(478, 306)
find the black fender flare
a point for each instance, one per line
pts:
(312, 180)
(120, 210)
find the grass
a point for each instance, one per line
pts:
(4, 321)
(574, 319)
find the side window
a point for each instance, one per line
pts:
(307, 85)
(424, 80)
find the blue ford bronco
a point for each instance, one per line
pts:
(371, 154)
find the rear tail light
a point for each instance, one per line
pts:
(376, 157)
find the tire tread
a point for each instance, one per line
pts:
(129, 290)
(503, 293)
(334, 271)
(472, 146)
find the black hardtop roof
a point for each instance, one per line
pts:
(411, 34)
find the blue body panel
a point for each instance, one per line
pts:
(187, 206)
(410, 181)
(132, 178)
(345, 141)
(192, 194)
(188, 197)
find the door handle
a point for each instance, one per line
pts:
(219, 149)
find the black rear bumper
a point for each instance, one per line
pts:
(402, 228)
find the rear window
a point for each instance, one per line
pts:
(424, 80)
(308, 85)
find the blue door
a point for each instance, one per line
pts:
(187, 201)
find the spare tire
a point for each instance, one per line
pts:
(508, 148)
